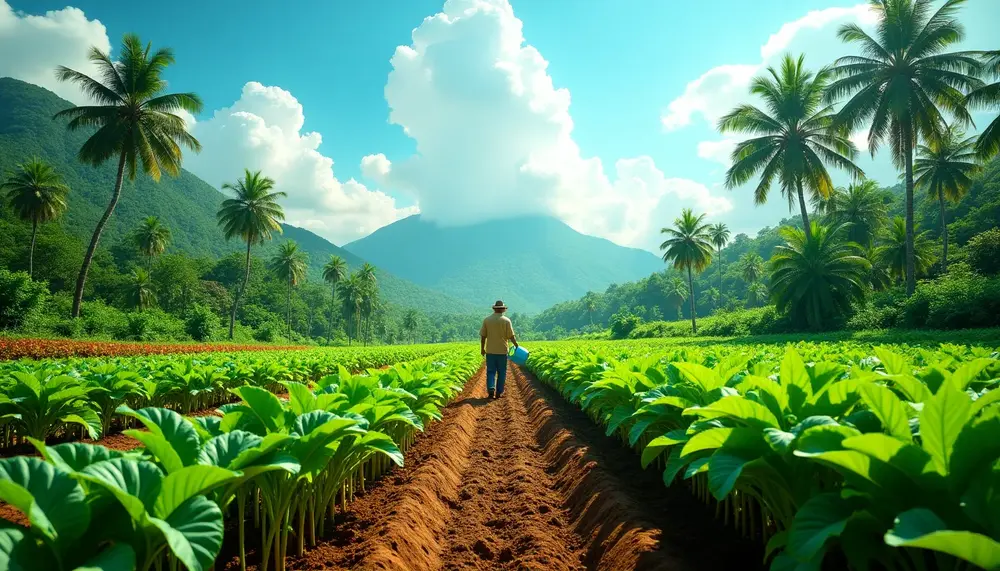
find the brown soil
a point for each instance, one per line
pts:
(525, 482)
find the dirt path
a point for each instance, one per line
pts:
(525, 482)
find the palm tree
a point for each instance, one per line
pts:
(334, 271)
(140, 291)
(792, 140)
(252, 215)
(351, 292)
(369, 294)
(751, 267)
(900, 84)
(862, 208)
(36, 194)
(893, 248)
(756, 292)
(151, 238)
(289, 264)
(816, 276)
(590, 304)
(410, 323)
(132, 120)
(988, 96)
(945, 167)
(719, 235)
(689, 248)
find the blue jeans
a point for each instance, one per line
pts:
(496, 366)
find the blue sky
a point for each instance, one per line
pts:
(325, 65)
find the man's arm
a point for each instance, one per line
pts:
(510, 334)
(482, 339)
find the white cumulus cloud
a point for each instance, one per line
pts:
(721, 88)
(494, 135)
(32, 46)
(263, 130)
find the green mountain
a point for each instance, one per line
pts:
(529, 262)
(185, 203)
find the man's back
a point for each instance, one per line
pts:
(497, 329)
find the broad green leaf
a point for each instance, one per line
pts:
(20, 552)
(697, 466)
(159, 448)
(923, 529)
(134, 484)
(657, 445)
(739, 409)
(779, 440)
(53, 502)
(675, 463)
(941, 421)
(908, 457)
(264, 405)
(823, 438)
(620, 414)
(894, 364)
(194, 532)
(699, 375)
(74, 456)
(910, 386)
(724, 469)
(795, 379)
(889, 410)
(383, 444)
(976, 449)
(182, 485)
(118, 557)
(710, 439)
(300, 399)
(823, 516)
(851, 461)
(172, 427)
(968, 372)
(990, 398)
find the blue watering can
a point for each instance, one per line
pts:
(519, 355)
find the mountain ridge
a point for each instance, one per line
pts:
(532, 262)
(186, 204)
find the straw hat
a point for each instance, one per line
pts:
(499, 305)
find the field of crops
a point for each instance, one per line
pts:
(840, 455)
(835, 452)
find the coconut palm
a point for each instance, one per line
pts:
(988, 96)
(719, 234)
(689, 248)
(369, 294)
(862, 208)
(36, 194)
(351, 293)
(816, 276)
(902, 83)
(751, 267)
(334, 271)
(590, 304)
(892, 249)
(756, 292)
(677, 290)
(792, 140)
(410, 323)
(151, 238)
(251, 215)
(289, 265)
(133, 121)
(141, 294)
(944, 168)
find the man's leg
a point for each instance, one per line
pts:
(501, 373)
(491, 373)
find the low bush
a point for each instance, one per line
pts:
(983, 252)
(757, 321)
(960, 299)
(624, 323)
(20, 297)
(201, 323)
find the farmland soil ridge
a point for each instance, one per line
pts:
(524, 482)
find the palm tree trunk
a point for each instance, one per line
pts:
(694, 323)
(333, 307)
(803, 210)
(911, 277)
(31, 249)
(288, 307)
(944, 234)
(81, 279)
(720, 271)
(239, 294)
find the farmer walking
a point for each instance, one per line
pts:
(493, 337)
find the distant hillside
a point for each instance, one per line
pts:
(529, 262)
(186, 203)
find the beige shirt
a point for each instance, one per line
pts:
(497, 330)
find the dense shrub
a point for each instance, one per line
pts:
(623, 323)
(757, 321)
(201, 323)
(19, 298)
(983, 252)
(958, 300)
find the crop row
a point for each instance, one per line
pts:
(275, 466)
(31, 348)
(885, 457)
(77, 398)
